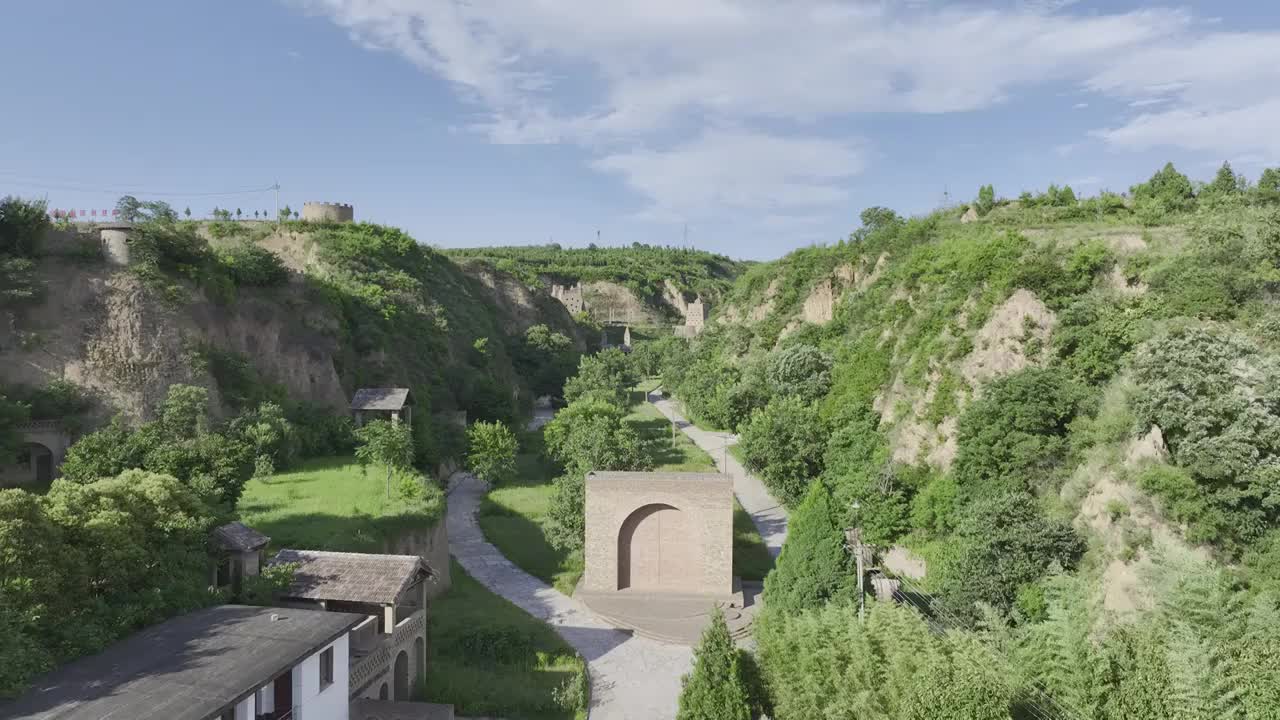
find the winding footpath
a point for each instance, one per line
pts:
(632, 678)
(769, 515)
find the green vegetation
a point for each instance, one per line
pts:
(334, 504)
(491, 452)
(715, 689)
(388, 443)
(980, 378)
(516, 518)
(642, 268)
(489, 657)
(88, 563)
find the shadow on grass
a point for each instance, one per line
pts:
(346, 533)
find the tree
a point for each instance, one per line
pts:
(986, 200)
(491, 454)
(875, 218)
(12, 414)
(1168, 188)
(22, 226)
(1225, 183)
(784, 442)
(603, 376)
(238, 213)
(255, 214)
(1001, 545)
(386, 443)
(800, 370)
(1015, 433)
(128, 208)
(714, 689)
(814, 568)
(285, 212)
(295, 214)
(187, 211)
(1268, 188)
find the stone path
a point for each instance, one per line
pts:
(632, 678)
(769, 516)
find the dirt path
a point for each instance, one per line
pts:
(769, 516)
(632, 678)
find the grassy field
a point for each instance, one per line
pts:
(514, 518)
(489, 657)
(331, 504)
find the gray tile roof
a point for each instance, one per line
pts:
(238, 537)
(351, 577)
(192, 667)
(381, 399)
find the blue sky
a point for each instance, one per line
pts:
(763, 125)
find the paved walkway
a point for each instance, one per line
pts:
(632, 678)
(769, 516)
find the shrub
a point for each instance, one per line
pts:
(491, 454)
(498, 644)
(252, 265)
(785, 442)
(23, 224)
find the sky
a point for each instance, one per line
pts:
(754, 126)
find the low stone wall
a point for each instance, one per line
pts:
(432, 545)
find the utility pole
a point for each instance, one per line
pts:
(276, 187)
(685, 244)
(853, 543)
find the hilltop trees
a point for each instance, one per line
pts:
(986, 200)
(1168, 190)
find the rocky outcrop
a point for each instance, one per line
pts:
(1008, 341)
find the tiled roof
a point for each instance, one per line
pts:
(238, 537)
(380, 399)
(351, 577)
(191, 667)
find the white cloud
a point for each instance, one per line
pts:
(1080, 106)
(738, 169)
(647, 85)
(1222, 93)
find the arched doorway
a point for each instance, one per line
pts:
(32, 468)
(654, 552)
(384, 692)
(401, 676)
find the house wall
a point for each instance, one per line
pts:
(247, 709)
(310, 702)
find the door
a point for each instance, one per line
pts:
(44, 468)
(284, 695)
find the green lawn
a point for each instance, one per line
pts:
(331, 504)
(673, 455)
(489, 657)
(514, 518)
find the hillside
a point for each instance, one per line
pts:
(254, 311)
(1055, 417)
(639, 284)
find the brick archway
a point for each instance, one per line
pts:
(654, 551)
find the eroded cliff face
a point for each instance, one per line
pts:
(103, 329)
(106, 330)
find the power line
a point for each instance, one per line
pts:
(1068, 711)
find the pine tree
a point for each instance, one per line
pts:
(714, 690)
(813, 567)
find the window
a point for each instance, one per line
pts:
(326, 668)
